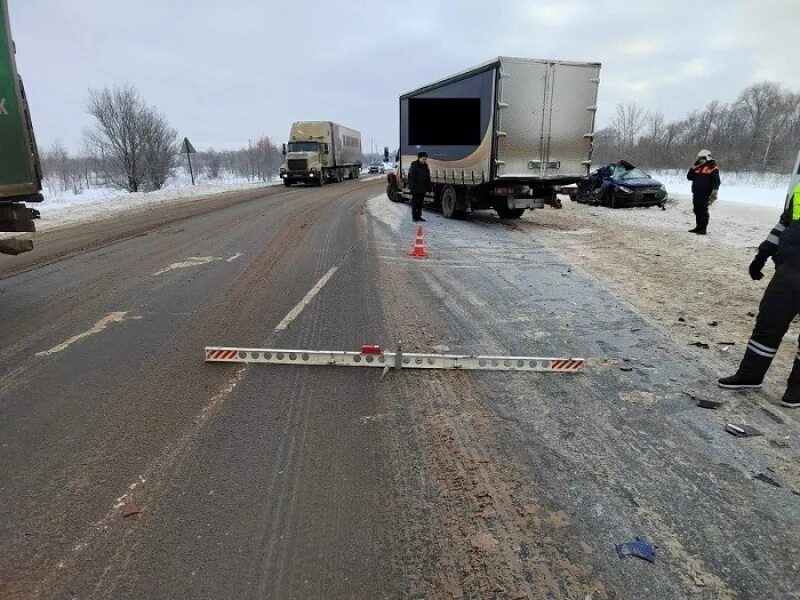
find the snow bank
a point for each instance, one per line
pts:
(751, 188)
(99, 203)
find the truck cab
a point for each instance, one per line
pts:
(304, 162)
(320, 152)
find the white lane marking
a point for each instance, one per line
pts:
(293, 314)
(192, 261)
(234, 257)
(114, 317)
(156, 473)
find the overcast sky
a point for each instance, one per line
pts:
(226, 71)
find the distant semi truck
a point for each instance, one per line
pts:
(20, 169)
(320, 152)
(505, 135)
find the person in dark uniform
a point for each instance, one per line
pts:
(779, 306)
(419, 183)
(704, 176)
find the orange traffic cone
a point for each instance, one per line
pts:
(418, 251)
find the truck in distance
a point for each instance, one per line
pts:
(320, 152)
(505, 135)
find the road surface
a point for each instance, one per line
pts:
(265, 481)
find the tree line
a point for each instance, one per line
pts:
(132, 147)
(758, 132)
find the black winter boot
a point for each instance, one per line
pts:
(751, 370)
(739, 382)
(791, 398)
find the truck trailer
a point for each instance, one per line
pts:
(505, 135)
(20, 169)
(320, 152)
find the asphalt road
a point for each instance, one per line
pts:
(311, 482)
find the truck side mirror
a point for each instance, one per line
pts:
(284, 149)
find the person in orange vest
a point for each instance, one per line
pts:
(704, 176)
(779, 306)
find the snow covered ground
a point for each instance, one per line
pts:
(61, 208)
(751, 188)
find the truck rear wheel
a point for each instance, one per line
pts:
(392, 193)
(452, 206)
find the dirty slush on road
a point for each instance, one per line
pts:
(520, 485)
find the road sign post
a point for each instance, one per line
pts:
(188, 149)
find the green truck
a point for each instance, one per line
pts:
(20, 169)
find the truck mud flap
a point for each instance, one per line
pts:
(15, 246)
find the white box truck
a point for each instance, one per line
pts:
(504, 135)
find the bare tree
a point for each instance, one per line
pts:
(213, 164)
(131, 141)
(629, 121)
(757, 132)
(64, 172)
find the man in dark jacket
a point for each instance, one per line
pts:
(779, 306)
(419, 183)
(704, 176)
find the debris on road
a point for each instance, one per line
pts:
(704, 402)
(131, 509)
(742, 430)
(639, 548)
(710, 404)
(767, 479)
(700, 345)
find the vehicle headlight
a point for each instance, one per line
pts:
(662, 187)
(625, 190)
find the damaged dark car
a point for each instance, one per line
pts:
(620, 185)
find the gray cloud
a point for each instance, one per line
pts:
(223, 72)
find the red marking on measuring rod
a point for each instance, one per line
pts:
(221, 355)
(567, 365)
(373, 349)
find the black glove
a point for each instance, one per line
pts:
(755, 267)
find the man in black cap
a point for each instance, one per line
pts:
(419, 183)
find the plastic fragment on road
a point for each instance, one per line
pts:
(710, 404)
(131, 508)
(742, 431)
(764, 478)
(639, 548)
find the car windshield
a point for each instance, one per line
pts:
(632, 174)
(303, 146)
(377, 164)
